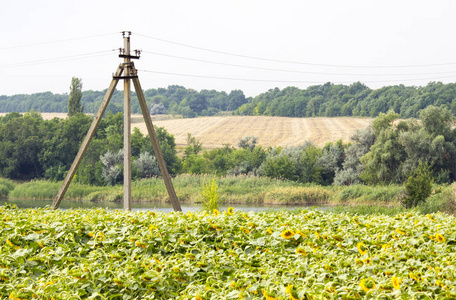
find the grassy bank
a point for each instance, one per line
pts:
(240, 189)
(311, 254)
(243, 190)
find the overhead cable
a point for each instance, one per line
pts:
(295, 62)
(58, 59)
(285, 81)
(58, 41)
(296, 71)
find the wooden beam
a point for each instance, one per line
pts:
(96, 121)
(156, 146)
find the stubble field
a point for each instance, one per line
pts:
(214, 132)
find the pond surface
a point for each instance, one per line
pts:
(166, 207)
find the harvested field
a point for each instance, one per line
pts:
(213, 132)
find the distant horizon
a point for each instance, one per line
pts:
(226, 91)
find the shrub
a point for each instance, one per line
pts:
(210, 195)
(147, 165)
(418, 186)
(111, 172)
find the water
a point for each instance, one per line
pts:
(137, 206)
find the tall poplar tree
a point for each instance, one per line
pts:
(74, 101)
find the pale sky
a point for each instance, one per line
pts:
(272, 43)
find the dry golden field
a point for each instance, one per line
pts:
(213, 132)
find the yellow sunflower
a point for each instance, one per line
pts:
(267, 297)
(289, 291)
(430, 217)
(361, 248)
(439, 238)
(400, 231)
(216, 212)
(301, 251)
(414, 277)
(230, 211)
(287, 234)
(367, 285)
(396, 282)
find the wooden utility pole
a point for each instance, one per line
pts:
(127, 124)
(129, 71)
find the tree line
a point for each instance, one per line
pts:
(327, 100)
(387, 152)
(332, 100)
(172, 100)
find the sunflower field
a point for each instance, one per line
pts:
(313, 254)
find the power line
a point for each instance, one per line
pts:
(296, 71)
(58, 59)
(57, 41)
(284, 81)
(294, 62)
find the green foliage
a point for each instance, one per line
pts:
(281, 167)
(6, 186)
(194, 146)
(443, 200)
(352, 167)
(74, 100)
(418, 186)
(325, 100)
(388, 195)
(173, 100)
(55, 173)
(107, 254)
(209, 195)
(31, 147)
(195, 164)
(329, 100)
(147, 165)
(249, 142)
(382, 163)
(21, 143)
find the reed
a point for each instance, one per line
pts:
(231, 190)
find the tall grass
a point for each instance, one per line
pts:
(45, 189)
(231, 190)
(390, 194)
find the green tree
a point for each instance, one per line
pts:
(74, 101)
(382, 164)
(281, 166)
(418, 186)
